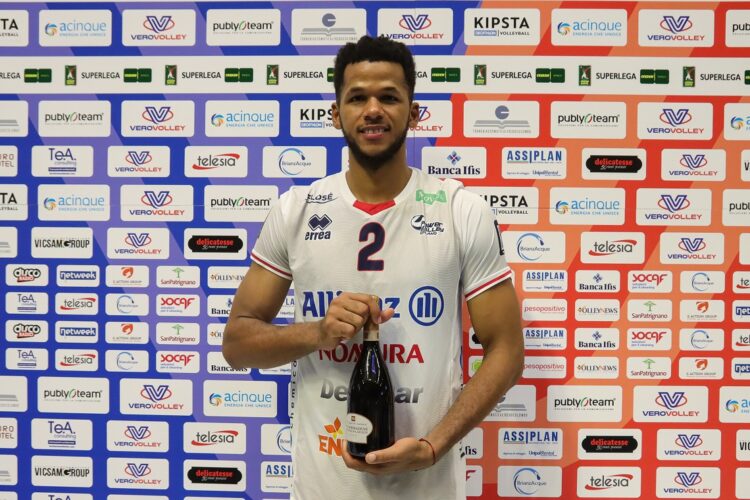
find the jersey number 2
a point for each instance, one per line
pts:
(365, 262)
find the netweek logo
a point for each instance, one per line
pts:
(76, 360)
(138, 473)
(418, 27)
(691, 248)
(216, 161)
(502, 27)
(157, 119)
(541, 247)
(177, 333)
(693, 164)
(77, 332)
(612, 248)
(60, 471)
(217, 438)
(538, 481)
(77, 303)
(75, 28)
(701, 339)
(609, 482)
(609, 444)
(688, 482)
(650, 281)
(137, 436)
(126, 304)
(243, 27)
(584, 403)
(501, 119)
(597, 339)
(126, 332)
(62, 161)
(26, 275)
(670, 404)
(66, 434)
(138, 161)
(683, 121)
(26, 331)
(156, 397)
(156, 203)
(327, 26)
(173, 27)
(675, 28)
(649, 310)
(78, 276)
(517, 405)
(177, 305)
(138, 243)
(673, 207)
(534, 443)
(177, 361)
(688, 444)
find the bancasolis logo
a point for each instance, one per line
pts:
(331, 443)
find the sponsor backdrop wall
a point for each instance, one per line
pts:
(142, 145)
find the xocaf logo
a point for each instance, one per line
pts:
(215, 244)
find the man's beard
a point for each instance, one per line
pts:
(374, 162)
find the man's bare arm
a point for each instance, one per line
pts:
(251, 341)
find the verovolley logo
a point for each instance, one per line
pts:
(691, 121)
(154, 115)
(158, 27)
(693, 162)
(138, 158)
(159, 24)
(422, 26)
(415, 23)
(676, 25)
(692, 245)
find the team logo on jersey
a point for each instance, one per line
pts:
(318, 225)
(420, 223)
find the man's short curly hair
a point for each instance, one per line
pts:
(374, 50)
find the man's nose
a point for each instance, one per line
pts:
(373, 109)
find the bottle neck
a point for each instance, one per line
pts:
(371, 331)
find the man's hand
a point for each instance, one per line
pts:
(346, 315)
(407, 454)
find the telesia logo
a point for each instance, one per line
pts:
(211, 438)
(211, 162)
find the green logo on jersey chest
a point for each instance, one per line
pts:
(430, 198)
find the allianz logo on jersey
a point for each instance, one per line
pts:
(418, 26)
(62, 161)
(158, 27)
(502, 26)
(691, 248)
(77, 28)
(425, 305)
(693, 164)
(327, 26)
(598, 27)
(157, 119)
(530, 443)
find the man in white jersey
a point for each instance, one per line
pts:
(421, 244)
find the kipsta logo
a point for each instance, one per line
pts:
(138, 158)
(138, 470)
(156, 393)
(687, 480)
(138, 240)
(159, 24)
(415, 23)
(688, 442)
(50, 29)
(156, 200)
(138, 433)
(317, 222)
(692, 245)
(693, 161)
(676, 25)
(563, 28)
(671, 400)
(675, 117)
(154, 115)
(424, 113)
(674, 204)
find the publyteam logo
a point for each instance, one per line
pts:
(245, 27)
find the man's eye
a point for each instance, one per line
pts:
(356, 98)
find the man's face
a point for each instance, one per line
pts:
(374, 112)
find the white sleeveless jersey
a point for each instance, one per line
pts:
(422, 253)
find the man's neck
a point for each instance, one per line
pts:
(380, 185)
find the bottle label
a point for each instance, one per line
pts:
(356, 428)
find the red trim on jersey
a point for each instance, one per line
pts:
(373, 208)
(269, 265)
(489, 283)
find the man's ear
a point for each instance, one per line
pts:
(413, 114)
(335, 117)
